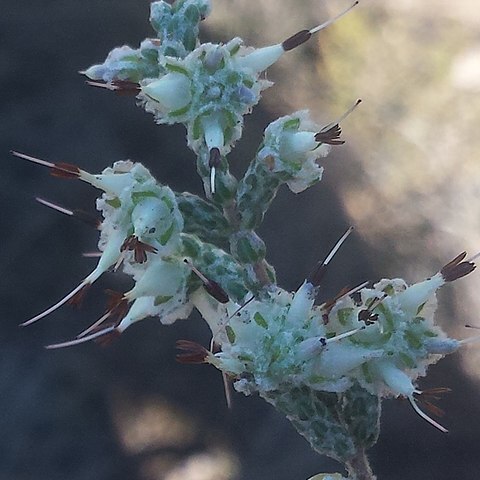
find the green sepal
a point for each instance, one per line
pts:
(360, 411)
(203, 219)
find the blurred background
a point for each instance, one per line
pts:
(408, 179)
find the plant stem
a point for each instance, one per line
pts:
(359, 467)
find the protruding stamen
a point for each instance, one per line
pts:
(334, 19)
(63, 170)
(56, 306)
(213, 163)
(77, 299)
(192, 352)
(119, 86)
(54, 206)
(139, 248)
(319, 272)
(431, 421)
(227, 388)
(304, 35)
(330, 134)
(212, 287)
(328, 305)
(343, 335)
(457, 268)
(366, 315)
(102, 333)
(81, 215)
(94, 325)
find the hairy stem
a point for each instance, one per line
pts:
(359, 467)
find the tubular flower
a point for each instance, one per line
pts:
(383, 342)
(291, 152)
(208, 91)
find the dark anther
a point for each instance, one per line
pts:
(296, 40)
(122, 87)
(192, 352)
(77, 299)
(215, 158)
(323, 342)
(216, 291)
(457, 268)
(331, 136)
(139, 248)
(117, 304)
(64, 170)
(367, 316)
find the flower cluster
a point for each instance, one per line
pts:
(327, 366)
(144, 232)
(207, 87)
(383, 340)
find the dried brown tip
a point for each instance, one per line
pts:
(122, 87)
(61, 169)
(192, 352)
(331, 136)
(457, 268)
(296, 40)
(139, 248)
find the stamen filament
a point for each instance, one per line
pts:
(78, 341)
(431, 421)
(342, 117)
(334, 19)
(54, 206)
(56, 305)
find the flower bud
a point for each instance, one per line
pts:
(172, 92)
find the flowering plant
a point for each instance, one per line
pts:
(326, 366)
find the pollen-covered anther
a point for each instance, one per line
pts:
(60, 169)
(457, 268)
(192, 352)
(139, 248)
